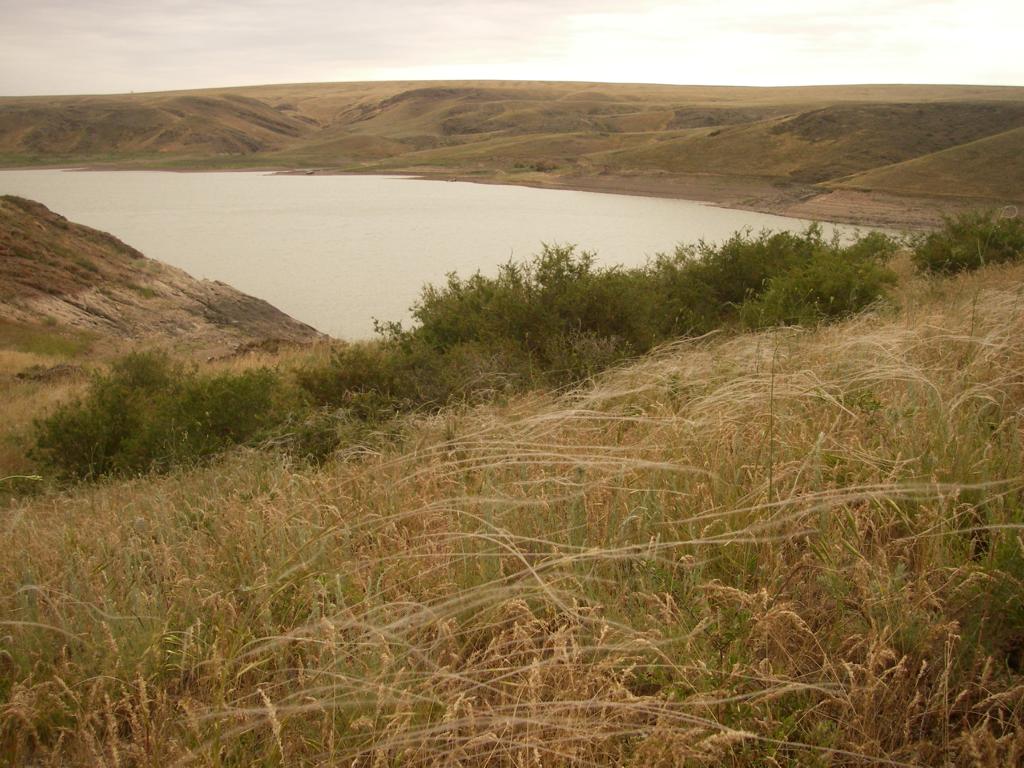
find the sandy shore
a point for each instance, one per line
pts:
(803, 201)
(867, 209)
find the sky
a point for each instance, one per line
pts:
(115, 46)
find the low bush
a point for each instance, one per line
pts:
(536, 307)
(560, 317)
(561, 307)
(149, 413)
(316, 434)
(969, 241)
(375, 380)
(703, 287)
(829, 287)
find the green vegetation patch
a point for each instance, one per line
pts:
(150, 413)
(560, 317)
(834, 284)
(969, 241)
(39, 340)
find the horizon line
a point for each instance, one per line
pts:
(512, 81)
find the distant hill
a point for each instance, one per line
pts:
(989, 167)
(757, 147)
(57, 274)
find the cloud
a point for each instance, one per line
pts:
(64, 46)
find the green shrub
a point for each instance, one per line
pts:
(739, 268)
(568, 315)
(316, 434)
(831, 286)
(873, 246)
(788, 277)
(701, 287)
(969, 241)
(560, 318)
(558, 295)
(373, 381)
(149, 413)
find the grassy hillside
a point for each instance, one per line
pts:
(792, 547)
(826, 143)
(655, 139)
(989, 166)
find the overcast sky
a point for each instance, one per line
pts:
(105, 46)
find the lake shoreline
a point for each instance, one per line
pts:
(860, 208)
(759, 195)
(336, 251)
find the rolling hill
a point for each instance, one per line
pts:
(992, 166)
(766, 148)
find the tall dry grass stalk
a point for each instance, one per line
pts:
(789, 548)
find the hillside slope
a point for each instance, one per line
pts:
(57, 274)
(990, 166)
(799, 547)
(773, 146)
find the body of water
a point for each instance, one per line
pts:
(337, 251)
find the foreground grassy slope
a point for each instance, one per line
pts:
(793, 548)
(671, 138)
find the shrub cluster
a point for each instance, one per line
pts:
(561, 317)
(547, 305)
(969, 241)
(556, 319)
(151, 413)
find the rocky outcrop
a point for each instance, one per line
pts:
(56, 272)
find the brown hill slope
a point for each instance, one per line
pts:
(194, 125)
(57, 274)
(770, 146)
(826, 143)
(992, 165)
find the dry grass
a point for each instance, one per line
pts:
(993, 167)
(25, 399)
(790, 548)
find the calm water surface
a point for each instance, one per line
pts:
(337, 251)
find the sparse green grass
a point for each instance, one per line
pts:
(144, 291)
(50, 341)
